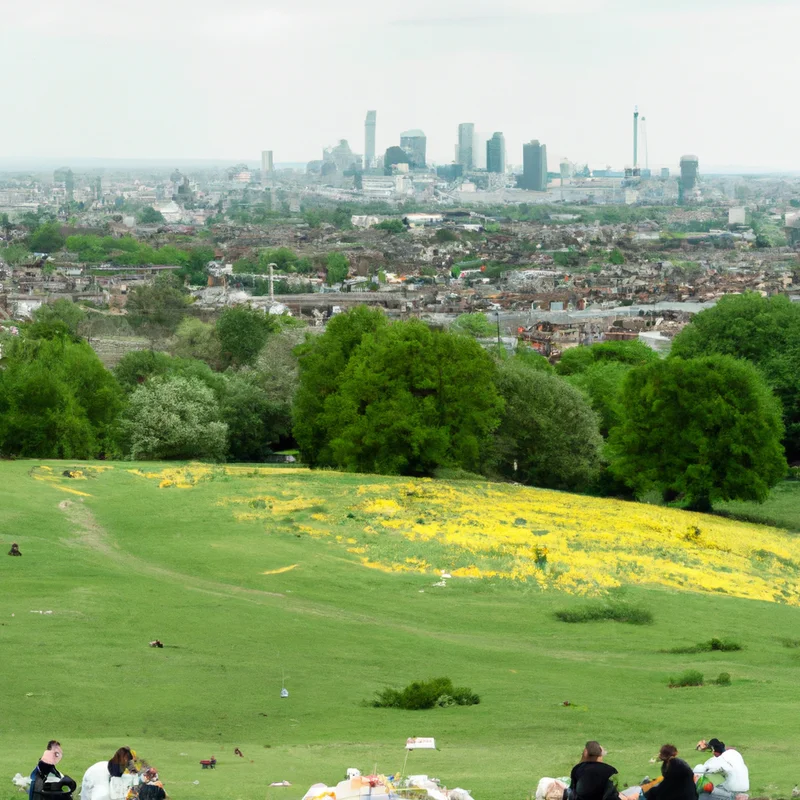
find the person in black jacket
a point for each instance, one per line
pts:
(678, 783)
(591, 779)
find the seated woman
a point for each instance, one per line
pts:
(678, 783)
(151, 787)
(591, 779)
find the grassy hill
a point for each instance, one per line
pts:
(253, 575)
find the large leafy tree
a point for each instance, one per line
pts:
(156, 309)
(549, 434)
(172, 417)
(242, 332)
(703, 429)
(602, 384)
(46, 238)
(337, 266)
(411, 400)
(578, 359)
(71, 314)
(322, 360)
(197, 339)
(765, 331)
(57, 400)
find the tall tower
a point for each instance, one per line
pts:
(496, 153)
(266, 165)
(534, 166)
(635, 136)
(369, 139)
(464, 151)
(414, 143)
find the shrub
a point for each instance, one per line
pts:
(723, 645)
(617, 612)
(436, 692)
(724, 679)
(691, 677)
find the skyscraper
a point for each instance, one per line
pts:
(466, 137)
(534, 166)
(496, 153)
(266, 165)
(415, 144)
(369, 139)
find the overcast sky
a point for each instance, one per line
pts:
(225, 80)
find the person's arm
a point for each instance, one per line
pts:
(714, 764)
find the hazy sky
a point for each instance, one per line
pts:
(209, 79)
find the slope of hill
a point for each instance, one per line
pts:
(253, 576)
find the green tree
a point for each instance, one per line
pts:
(763, 330)
(445, 235)
(71, 314)
(284, 258)
(156, 309)
(704, 429)
(195, 268)
(15, 254)
(548, 435)
(322, 360)
(149, 216)
(57, 400)
(172, 417)
(602, 384)
(390, 226)
(578, 359)
(337, 267)
(242, 332)
(46, 238)
(197, 339)
(477, 325)
(411, 400)
(138, 366)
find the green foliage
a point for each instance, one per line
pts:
(137, 366)
(149, 216)
(445, 235)
(242, 332)
(578, 359)
(15, 254)
(533, 360)
(712, 645)
(197, 339)
(390, 226)
(71, 314)
(411, 400)
(601, 382)
(197, 259)
(46, 238)
(420, 695)
(617, 256)
(723, 679)
(156, 309)
(705, 429)
(615, 611)
(57, 400)
(322, 360)
(763, 330)
(691, 677)
(172, 417)
(568, 259)
(337, 266)
(548, 435)
(476, 324)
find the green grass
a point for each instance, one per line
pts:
(782, 508)
(131, 562)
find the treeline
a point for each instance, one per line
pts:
(713, 421)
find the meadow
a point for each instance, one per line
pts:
(331, 584)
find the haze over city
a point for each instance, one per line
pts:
(200, 80)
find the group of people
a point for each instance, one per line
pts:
(593, 779)
(106, 780)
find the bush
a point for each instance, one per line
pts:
(419, 695)
(689, 678)
(722, 645)
(617, 612)
(724, 679)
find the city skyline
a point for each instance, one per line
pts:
(133, 90)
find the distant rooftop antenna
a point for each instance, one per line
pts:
(644, 142)
(635, 136)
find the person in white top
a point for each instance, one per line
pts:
(730, 764)
(110, 780)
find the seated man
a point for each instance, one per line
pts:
(14, 551)
(728, 763)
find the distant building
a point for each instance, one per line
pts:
(737, 216)
(565, 168)
(466, 143)
(665, 172)
(369, 139)
(450, 172)
(267, 166)
(341, 157)
(415, 145)
(496, 153)
(534, 167)
(689, 167)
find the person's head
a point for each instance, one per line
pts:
(53, 751)
(667, 752)
(120, 761)
(717, 747)
(593, 751)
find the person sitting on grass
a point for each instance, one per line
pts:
(591, 779)
(678, 778)
(14, 551)
(151, 788)
(730, 764)
(107, 780)
(46, 780)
